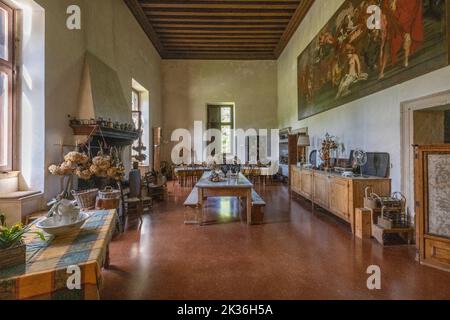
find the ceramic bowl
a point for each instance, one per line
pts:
(53, 226)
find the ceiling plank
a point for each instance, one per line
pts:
(224, 5)
(219, 24)
(214, 32)
(140, 16)
(223, 1)
(226, 41)
(235, 36)
(219, 46)
(267, 50)
(203, 19)
(218, 29)
(227, 13)
(221, 56)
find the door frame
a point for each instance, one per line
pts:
(407, 138)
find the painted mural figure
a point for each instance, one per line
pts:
(353, 75)
(402, 27)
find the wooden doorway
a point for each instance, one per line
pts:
(408, 109)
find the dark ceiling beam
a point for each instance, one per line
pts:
(219, 24)
(224, 41)
(218, 14)
(236, 5)
(140, 16)
(238, 2)
(204, 19)
(219, 46)
(239, 28)
(218, 36)
(250, 33)
(220, 56)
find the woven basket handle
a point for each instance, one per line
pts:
(366, 191)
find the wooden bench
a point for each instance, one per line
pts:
(193, 203)
(257, 208)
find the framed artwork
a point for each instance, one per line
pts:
(347, 60)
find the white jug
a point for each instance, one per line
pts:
(66, 212)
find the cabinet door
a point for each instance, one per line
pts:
(433, 206)
(306, 184)
(339, 197)
(321, 190)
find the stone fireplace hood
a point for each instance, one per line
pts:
(101, 94)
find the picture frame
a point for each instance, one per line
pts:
(347, 61)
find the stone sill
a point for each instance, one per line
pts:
(9, 174)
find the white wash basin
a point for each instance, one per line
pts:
(53, 225)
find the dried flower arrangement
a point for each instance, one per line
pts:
(328, 144)
(81, 165)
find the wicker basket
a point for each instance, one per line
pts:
(85, 199)
(109, 193)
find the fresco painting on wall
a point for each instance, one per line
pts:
(347, 60)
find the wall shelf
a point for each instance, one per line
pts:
(111, 135)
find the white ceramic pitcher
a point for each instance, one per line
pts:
(66, 212)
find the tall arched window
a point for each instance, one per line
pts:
(6, 87)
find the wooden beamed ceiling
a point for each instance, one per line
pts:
(219, 29)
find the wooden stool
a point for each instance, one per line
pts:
(363, 223)
(381, 234)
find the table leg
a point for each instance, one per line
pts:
(107, 259)
(202, 206)
(249, 206)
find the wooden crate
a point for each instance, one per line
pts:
(13, 256)
(363, 223)
(396, 236)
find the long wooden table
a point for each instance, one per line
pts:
(239, 187)
(45, 275)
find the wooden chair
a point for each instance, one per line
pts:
(134, 201)
(182, 177)
(157, 187)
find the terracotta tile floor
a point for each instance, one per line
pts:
(295, 255)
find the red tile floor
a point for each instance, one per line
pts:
(295, 255)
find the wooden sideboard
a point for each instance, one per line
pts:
(334, 193)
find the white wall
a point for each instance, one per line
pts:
(111, 33)
(189, 85)
(371, 123)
